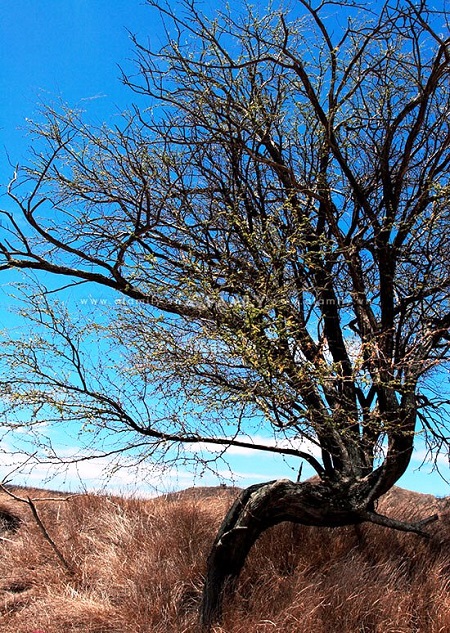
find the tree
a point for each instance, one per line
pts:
(276, 216)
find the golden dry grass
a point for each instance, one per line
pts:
(139, 567)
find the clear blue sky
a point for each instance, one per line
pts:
(67, 49)
(70, 50)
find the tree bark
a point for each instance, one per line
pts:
(258, 508)
(315, 502)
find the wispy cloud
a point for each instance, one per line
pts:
(243, 467)
(423, 456)
(100, 472)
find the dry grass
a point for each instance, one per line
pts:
(140, 564)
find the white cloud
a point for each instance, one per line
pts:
(423, 456)
(120, 474)
(97, 473)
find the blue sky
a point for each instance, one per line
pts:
(67, 49)
(70, 50)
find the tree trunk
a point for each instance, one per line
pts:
(259, 507)
(255, 510)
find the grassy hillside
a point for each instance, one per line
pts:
(138, 568)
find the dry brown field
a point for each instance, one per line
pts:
(136, 566)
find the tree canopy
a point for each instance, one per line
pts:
(274, 214)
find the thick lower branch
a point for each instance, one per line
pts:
(402, 526)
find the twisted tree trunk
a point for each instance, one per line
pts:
(258, 508)
(262, 506)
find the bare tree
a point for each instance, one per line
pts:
(275, 217)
